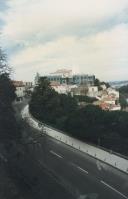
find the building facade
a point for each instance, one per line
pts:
(20, 89)
(75, 79)
(83, 79)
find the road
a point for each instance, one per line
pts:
(29, 175)
(81, 175)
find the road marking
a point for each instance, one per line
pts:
(113, 189)
(81, 169)
(78, 167)
(59, 156)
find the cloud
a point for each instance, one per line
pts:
(27, 19)
(87, 36)
(101, 54)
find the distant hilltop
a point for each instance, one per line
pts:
(118, 84)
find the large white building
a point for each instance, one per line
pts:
(64, 76)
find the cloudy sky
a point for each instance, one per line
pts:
(87, 36)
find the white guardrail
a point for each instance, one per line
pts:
(105, 156)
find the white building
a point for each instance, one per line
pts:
(103, 86)
(62, 88)
(115, 108)
(109, 101)
(20, 89)
(113, 92)
(92, 91)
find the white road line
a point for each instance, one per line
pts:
(82, 170)
(78, 167)
(59, 156)
(113, 189)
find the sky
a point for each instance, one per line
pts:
(87, 36)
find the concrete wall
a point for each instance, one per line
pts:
(105, 156)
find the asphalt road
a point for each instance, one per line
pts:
(34, 180)
(81, 174)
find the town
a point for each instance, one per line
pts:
(64, 82)
(63, 99)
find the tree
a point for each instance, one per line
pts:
(8, 126)
(4, 68)
(7, 89)
(106, 84)
(97, 82)
(124, 89)
(90, 124)
(49, 106)
(123, 101)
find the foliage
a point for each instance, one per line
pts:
(87, 99)
(47, 105)
(4, 68)
(93, 124)
(7, 90)
(124, 89)
(109, 129)
(106, 84)
(99, 84)
(123, 101)
(8, 126)
(123, 96)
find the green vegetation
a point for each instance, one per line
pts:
(90, 124)
(8, 126)
(50, 107)
(82, 98)
(99, 84)
(123, 101)
(123, 96)
(124, 90)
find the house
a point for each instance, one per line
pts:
(20, 89)
(103, 86)
(28, 88)
(112, 92)
(62, 88)
(92, 91)
(110, 107)
(109, 100)
(115, 107)
(79, 90)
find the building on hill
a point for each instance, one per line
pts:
(62, 88)
(113, 92)
(79, 90)
(83, 79)
(92, 91)
(66, 77)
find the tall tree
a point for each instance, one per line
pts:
(8, 127)
(4, 67)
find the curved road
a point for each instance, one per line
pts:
(83, 176)
(81, 173)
